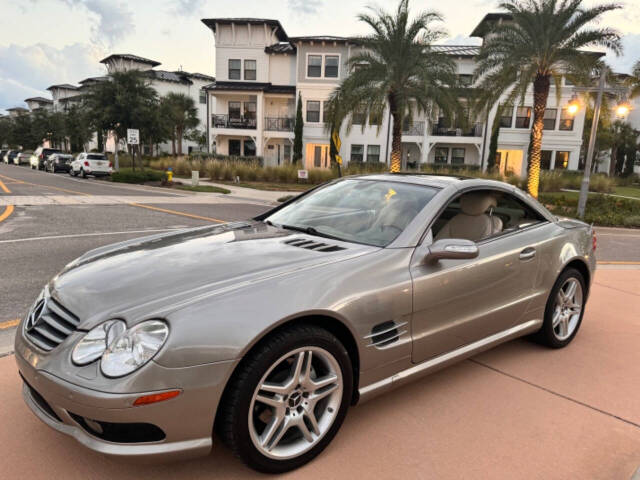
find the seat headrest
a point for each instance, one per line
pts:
(476, 203)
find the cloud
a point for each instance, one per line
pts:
(112, 20)
(631, 54)
(305, 7)
(186, 7)
(28, 70)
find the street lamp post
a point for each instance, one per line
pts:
(584, 187)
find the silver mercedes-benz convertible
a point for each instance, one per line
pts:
(266, 331)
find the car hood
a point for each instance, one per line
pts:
(155, 275)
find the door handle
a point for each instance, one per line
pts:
(527, 253)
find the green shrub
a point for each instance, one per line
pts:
(127, 175)
(601, 210)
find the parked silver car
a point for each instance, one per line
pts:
(268, 330)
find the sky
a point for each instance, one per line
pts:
(45, 42)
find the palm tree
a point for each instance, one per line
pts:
(634, 81)
(396, 67)
(182, 116)
(540, 44)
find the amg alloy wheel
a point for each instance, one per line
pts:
(287, 400)
(564, 311)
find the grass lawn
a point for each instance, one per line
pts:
(203, 188)
(628, 191)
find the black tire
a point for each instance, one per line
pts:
(546, 335)
(232, 422)
(82, 172)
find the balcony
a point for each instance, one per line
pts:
(442, 131)
(226, 121)
(279, 124)
(415, 129)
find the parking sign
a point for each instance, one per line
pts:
(133, 136)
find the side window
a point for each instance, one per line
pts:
(483, 214)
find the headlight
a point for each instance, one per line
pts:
(132, 348)
(94, 343)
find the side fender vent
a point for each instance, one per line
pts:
(385, 333)
(313, 245)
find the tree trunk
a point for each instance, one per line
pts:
(396, 136)
(540, 95)
(179, 141)
(173, 144)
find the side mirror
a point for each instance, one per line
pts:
(453, 249)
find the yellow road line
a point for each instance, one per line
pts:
(47, 186)
(9, 324)
(8, 210)
(618, 263)
(4, 188)
(174, 212)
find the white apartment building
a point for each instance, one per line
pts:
(261, 71)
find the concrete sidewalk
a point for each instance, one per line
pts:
(244, 193)
(519, 411)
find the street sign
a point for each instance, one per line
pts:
(303, 174)
(133, 136)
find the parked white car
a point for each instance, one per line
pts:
(23, 158)
(96, 164)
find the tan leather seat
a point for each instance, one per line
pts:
(472, 223)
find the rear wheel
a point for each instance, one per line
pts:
(287, 400)
(564, 310)
(82, 172)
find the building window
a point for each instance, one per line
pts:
(465, 80)
(507, 116)
(375, 118)
(523, 117)
(249, 148)
(331, 66)
(313, 111)
(325, 108)
(562, 161)
(373, 153)
(249, 69)
(314, 66)
(234, 69)
(566, 120)
(287, 153)
(234, 147)
(203, 96)
(250, 113)
(441, 155)
(359, 115)
(234, 110)
(457, 156)
(550, 115)
(357, 153)
(545, 160)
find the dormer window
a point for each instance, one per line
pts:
(234, 69)
(249, 69)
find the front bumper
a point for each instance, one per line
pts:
(186, 421)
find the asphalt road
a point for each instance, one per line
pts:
(38, 240)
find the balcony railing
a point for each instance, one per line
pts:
(279, 124)
(227, 121)
(442, 131)
(413, 129)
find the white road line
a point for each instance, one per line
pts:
(97, 234)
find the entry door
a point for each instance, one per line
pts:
(278, 153)
(458, 302)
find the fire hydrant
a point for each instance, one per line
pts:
(169, 174)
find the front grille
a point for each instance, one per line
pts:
(50, 326)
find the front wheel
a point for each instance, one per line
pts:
(564, 310)
(287, 399)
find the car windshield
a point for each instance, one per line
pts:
(96, 157)
(357, 210)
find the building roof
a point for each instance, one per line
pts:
(199, 76)
(165, 76)
(279, 30)
(251, 87)
(63, 86)
(38, 99)
(17, 109)
(93, 80)
(320, 38)
(128, 56)
(282, 47)
(457, 50)
(488, 21)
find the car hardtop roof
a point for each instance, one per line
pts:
(426, 179)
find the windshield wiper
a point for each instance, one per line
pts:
(312, 231)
